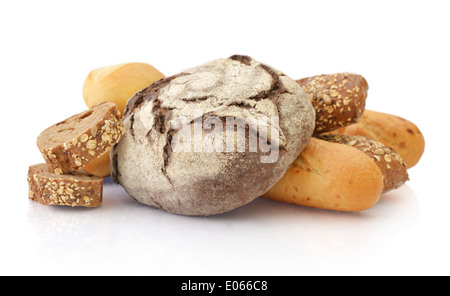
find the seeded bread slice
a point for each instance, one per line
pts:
(49, 188)
(72, 144)
(390, 162)
(339, 99)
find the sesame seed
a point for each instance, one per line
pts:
(379, 151)
(387, 158)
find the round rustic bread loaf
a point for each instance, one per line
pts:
(197, 180)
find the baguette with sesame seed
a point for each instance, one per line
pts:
(390, 163)
(49, 188)
(73, 144)
(339, 99)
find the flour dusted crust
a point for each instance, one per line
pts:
(71, 145)
(206, 183)
(49, 188)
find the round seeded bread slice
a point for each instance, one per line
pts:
(49, 188)
(72, 144)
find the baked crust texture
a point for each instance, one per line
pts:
(150, 165)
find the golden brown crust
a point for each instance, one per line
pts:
(390, 163)
(330, 176)
(100, 167)
(339, 99)
(118, 83)
(401, 135)
(65, 190)
(73, 144)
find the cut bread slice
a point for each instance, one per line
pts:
(49, 188)
(72, 144)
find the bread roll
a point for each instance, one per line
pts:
(339, 99)
(100, 166)
(49, 188)
(118, 83)
(401, 135)
(71, 145)
(330, 176)
(390, 163)
(148, 163)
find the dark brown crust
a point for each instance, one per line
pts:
(276, 89)
(75, 191)
(150, 93)
(162, 116)
(246, 60)
(273, 93)
(114, 168)
(390, 163)
(339, 99)
(167, 154)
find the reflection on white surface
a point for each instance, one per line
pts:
(123, 236)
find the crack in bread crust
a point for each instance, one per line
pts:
(246, 60)
(167, 154)
(238, 87)
(163, 115)
(150, 93)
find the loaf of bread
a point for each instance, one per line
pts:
(339, 99)
(401, 135)
(118, 83)
(71, 145)
(48, 188)
(330, 176)
(390, 163)
(152, 168)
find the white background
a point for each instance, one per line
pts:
(47, 48)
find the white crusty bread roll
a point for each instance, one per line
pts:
(330, 176)
(118, 83)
